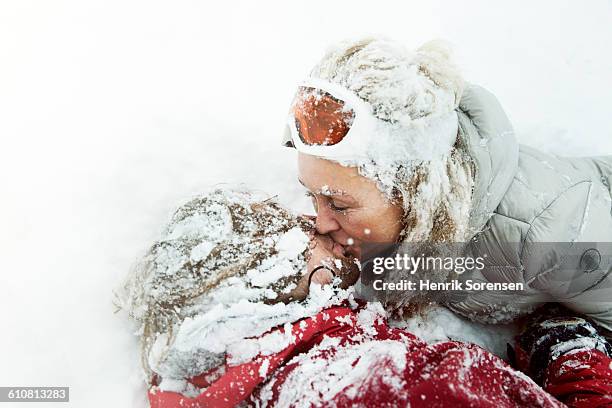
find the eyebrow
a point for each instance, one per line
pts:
(336, 193)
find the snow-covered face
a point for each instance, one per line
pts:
(350, 208)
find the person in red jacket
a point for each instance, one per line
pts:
(349, 356)
(335, 352)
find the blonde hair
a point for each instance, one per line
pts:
(403, 86)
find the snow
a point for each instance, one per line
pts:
(574, 345)
(319, 380)
(438, 324)
(263, 369)
(326, 191)
(408, 89)
(224, 328)
(316, 379)
(112, 113)
(292, 243)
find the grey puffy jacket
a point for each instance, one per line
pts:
(543, 220)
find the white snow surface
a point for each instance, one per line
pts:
(112, 113)
(438, 324)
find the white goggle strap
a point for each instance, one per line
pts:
(287, 140)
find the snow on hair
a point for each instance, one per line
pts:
(405, 86)
(212, 239)
(401, 85)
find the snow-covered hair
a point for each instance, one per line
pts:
(227, 245)
(405, 87)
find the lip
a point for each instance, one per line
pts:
(338, 249)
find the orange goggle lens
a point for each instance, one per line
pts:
(320, 119)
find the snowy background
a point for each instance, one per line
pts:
(112, 112)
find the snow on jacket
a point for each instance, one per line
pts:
(522, 198)
(348, 357)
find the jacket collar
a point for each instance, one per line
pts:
(489, 138)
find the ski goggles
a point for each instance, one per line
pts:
(329, 121)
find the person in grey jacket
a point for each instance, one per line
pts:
(394, 146)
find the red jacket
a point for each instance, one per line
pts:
(445, 374)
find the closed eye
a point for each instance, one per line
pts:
(336, 207)
(330, 203)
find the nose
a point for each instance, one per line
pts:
(326, 222)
